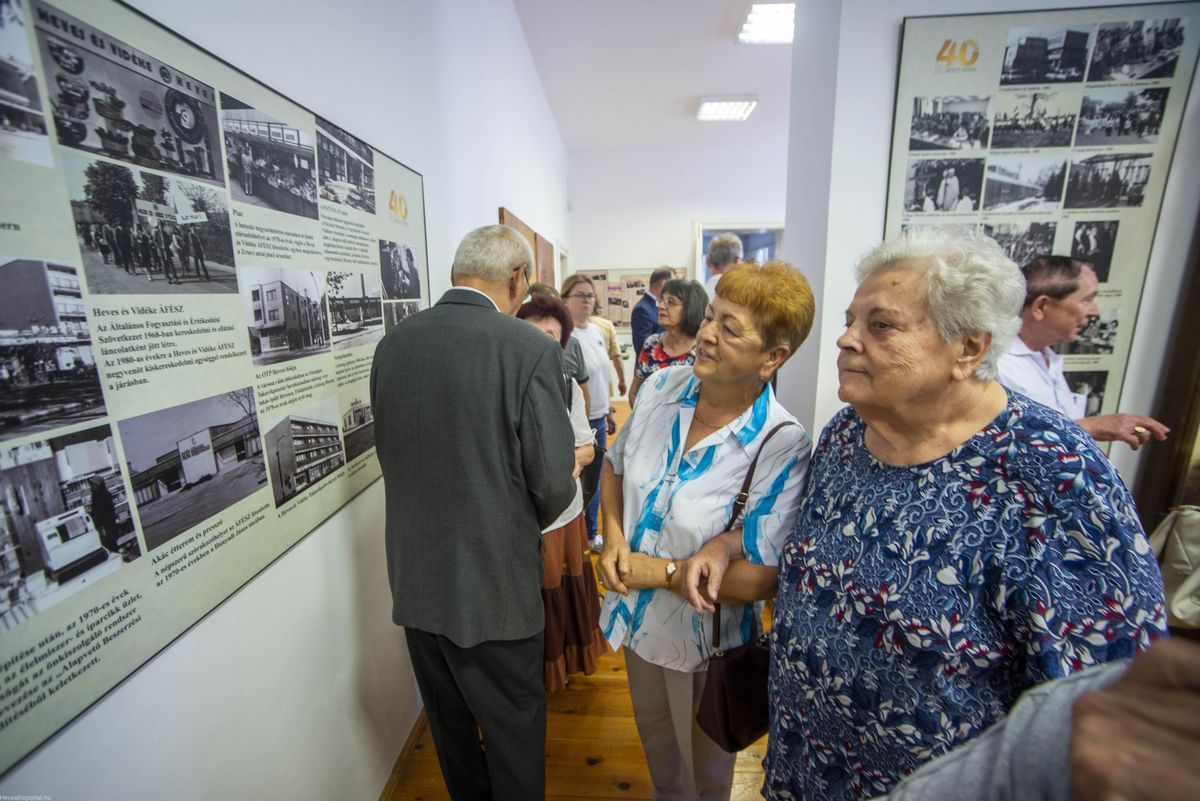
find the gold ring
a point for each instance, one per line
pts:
(1139, 430)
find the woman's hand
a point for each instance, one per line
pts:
(707, 567)
(614, 563)
(645, 572)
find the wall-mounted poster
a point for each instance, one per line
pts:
(196, 271)
(1053, 133)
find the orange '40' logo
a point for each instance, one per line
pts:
(954, 54)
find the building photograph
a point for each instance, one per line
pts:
(1045, 55)
(358, 429)
(190, 462)
(303, 448)
(1024, 183)
(285, 313)
(1108, 180)
(64, 520)
(355, 314)
(271, 164)
(47, 366)
(347, 167)
(22, 118)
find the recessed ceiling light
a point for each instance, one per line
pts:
(726, 109)
(768, 23)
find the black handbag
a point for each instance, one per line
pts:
(734, 711)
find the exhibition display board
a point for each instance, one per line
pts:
(194, 273)
(1053, 132)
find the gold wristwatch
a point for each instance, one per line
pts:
(671, 568)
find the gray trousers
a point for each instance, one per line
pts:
(685, 765)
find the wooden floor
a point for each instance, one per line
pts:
(592, 749)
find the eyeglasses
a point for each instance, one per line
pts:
(668, 302)
(582, 296)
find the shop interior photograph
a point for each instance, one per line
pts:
(876, 328)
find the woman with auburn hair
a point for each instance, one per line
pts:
(668, 488)
(573, 642)
(680, 313)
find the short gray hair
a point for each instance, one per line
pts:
(724, 249)
(491, 253)
(971, 285)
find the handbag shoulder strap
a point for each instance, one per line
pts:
(739, 504)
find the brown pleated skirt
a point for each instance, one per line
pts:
(574, 642)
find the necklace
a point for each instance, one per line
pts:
(696, 414)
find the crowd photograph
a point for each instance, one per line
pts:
(1121, 116)
(1034, 119)
(949, 123)
(1022, 242)
(943, 185)
(1138, 50)
(1108, 180)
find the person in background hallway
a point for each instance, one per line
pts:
(643, 321)
(956, 545)
(724, 251)
(1128, 729)
(681, 306)
(573, 639)
(477, 454)
(572, 357)
(668, 488)
(598, 352)
(1060, 298)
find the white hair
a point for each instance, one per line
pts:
(971, 285)
(724, 249)
(491, 253)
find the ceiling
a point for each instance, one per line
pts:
(627, 74)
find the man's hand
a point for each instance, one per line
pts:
(614, 563)
(621, 389)
(1139, 738)
(610, 419)
(1132, 429)
(708, 566)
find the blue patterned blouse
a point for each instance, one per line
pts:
(916, 603)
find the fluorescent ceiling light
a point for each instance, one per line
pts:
(726, 109)
(768, 23)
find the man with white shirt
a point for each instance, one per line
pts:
(724, 253)
(1060, 297)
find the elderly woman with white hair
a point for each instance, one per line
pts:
(956, 543)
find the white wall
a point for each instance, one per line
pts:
(638, 209)
(860, 131)
(299, 686)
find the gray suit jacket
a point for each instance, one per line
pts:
(477, 453)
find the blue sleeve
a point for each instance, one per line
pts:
(641, 325)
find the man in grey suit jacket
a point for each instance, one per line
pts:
(477, 455)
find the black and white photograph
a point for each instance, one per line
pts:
(347, 167)
(285, 312)
(1125, 116)
(113, 100)
(1094, 241)
(1098, 335)
(399, 270)
(271, 164)
(66, 521)
(396, 313)
(943, 185)
(22, 116)
(141, 233)
(192, 461)
(1023, 242)
(1024, 183)
(1090, 384)
(1108, 180)
(358, 429)
(949, 123)
(355, 314)
(1046, 55)
(1034, 119)
(303, 448)
(47, 365)
(1136, 51)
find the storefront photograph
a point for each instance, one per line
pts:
(22, 120)
(47, 365)
(347, 167)
(190, 462)
(271, 164)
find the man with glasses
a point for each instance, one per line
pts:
(644, 319)
(478, 456)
